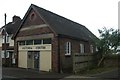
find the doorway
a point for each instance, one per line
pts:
(33, 59)
(36, 59)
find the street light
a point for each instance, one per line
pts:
(5, 39)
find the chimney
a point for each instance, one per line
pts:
(16, 18)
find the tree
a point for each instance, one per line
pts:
(108, 42)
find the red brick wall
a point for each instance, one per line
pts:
(66, 61)
(35, 21)
(43, 30)
(37, 31)
(55, 54)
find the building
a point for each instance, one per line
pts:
(11, 27)
(47, 41)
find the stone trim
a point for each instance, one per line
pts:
(35, 37)
(34, 27)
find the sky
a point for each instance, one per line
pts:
(94, 14)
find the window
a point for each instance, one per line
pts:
(7, 39)
(7, 54)
(46, 41)
(82, 50)
(36, 42)
(2, 55)
(29, 42)
(3, 37)
(96, 49)
(91, 48)
(22, 43)
(68, 48)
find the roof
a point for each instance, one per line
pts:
(12, 27)
(63, 26)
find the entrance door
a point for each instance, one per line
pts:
(36, 59)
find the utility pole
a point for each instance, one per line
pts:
(5, 39)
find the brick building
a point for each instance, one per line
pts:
(47, 41)
(11, 27)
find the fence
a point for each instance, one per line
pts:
(82, 61)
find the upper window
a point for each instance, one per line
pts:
(7, 39)
(32, 16)
(36, 42)
(68, 48)
(46, 41)
(29, 42)
(21, 42)
(82, 48)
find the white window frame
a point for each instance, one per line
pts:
(7, 38)
(7, 54)
(3, 37)
(91, 48)
(82, 48)
(68, 48)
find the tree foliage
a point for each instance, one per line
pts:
(109, 40)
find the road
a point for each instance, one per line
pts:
(24, 74)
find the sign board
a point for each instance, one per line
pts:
(35, 47)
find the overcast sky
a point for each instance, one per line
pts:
(94, 14)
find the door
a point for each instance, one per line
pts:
(36, 59)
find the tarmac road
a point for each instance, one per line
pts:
(28, 74)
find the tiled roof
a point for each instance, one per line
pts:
(12, 27)
(63, 26)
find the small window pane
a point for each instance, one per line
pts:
(29, 42)
(91, 48)
(82, 50)
(68, 48)
(7, 54)
(46, 41)
(22, 43)
(37, 42)
(7, 39)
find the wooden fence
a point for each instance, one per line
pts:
(83, 61)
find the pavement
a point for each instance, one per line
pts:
(30, 74)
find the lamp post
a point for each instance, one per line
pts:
(5, 39)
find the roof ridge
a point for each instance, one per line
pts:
(57, 15)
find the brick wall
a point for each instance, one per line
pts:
(35, 21)
(37, 31)
(67, 61)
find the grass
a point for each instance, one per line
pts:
(99, 70)
(109, 64)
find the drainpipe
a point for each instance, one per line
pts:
(59, 59)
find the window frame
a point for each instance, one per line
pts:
(91, 49)
(82, 48)
(68, 48)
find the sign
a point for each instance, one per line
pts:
(35, 47)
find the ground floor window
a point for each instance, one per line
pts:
(68, 48)
(82, 48)
(91, 48)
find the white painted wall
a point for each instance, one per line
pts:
(22, 59)
(0, 40)
(11, 41)
(45, 61)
